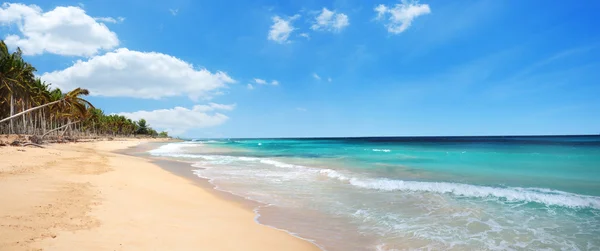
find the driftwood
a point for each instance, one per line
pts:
(32, 144)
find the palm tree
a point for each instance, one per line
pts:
(142, 127)
(71, 100)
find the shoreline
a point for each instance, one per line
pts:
(185, 170)
(87, 196)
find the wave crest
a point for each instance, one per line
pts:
(511, 194)
(382, 150)
(172, 148)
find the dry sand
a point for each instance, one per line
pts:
(85, 197)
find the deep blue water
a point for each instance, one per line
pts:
(390, 193)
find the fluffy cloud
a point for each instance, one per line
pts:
(64, 30)
(401, 15)
(274, 82)
(250, 87)
(281, 29)
(125, 73)
(330, 21)
(180, 119)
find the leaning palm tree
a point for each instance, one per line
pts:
(72, 107)
(72, 99)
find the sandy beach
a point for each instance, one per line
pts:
(83, 196)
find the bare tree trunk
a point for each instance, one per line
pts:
(68, 126)
(58, 128)
(24, 117)
(28, 110)
(43, 121)
(12, 111)
(51, 123)
(67, 129)
(39, 120)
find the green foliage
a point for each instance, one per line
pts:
(142, 127)
(152, 132)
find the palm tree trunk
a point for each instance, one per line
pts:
(12, 111)
(24, 117)
(43, 121)
(58, 128)
(28, 110)
(66, 129)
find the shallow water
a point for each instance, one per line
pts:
(484, 193)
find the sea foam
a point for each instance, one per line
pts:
(382, 150)
(172, 149)
(511, 194)
(544, 196)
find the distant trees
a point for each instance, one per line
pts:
(145, 129)
(29, 106)
(142, 127)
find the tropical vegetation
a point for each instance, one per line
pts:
(31, 106)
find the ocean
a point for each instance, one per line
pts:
(413, 193)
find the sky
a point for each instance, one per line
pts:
(229, 69)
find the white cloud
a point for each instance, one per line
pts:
(250, 87)
(215, 106)
(329, 80)
(174, 12)
(401, 15)
(281, 29)
(180, 119)
(63, 30)
(304, 35)
(317, 77)
(300, 109)
(125, 73)
(330, 21)
(110, 19)
(260, 81)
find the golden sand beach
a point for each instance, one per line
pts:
(83, 196)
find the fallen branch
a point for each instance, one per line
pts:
(33, 144)
(56, 129)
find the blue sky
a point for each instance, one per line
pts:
(438, 68)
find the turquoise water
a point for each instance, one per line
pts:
(451, 193)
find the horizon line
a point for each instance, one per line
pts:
(430, 136)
